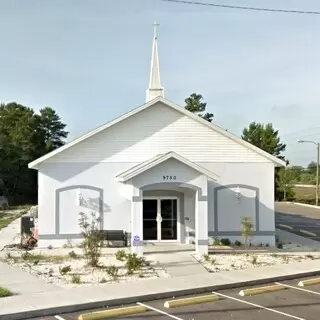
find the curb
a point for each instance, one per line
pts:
(309, 233)
(255, 291)
(190, 301)
(302, 204)
(147, 297)
(309, 282)
(125, 311)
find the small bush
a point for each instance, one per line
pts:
(113, 271)
(310, 256)
(4, 292)
(134, 263)
(279, 245)
(213, 261)
(225, 242)
(254, 260)
(68, 244)
(64, 270)
(103, 280)
(216, 241)
(93, 238)
(121, 255)
(238, 243)
(8, 256)
(73, 255)
(206, 257)
(285, 258)
(75, 279)
(50, 247)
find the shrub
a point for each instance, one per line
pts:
(4, 292)
(246, 230)
(254, 260)
(73, 255)
(216, 241)
(279, 245)
(121, 255)
(134, 263)
(103, 280)
(285, 258)
(238, 243)
(225, 242)
(206, 257)
(113, 271)
(93, 238)
(75, 279)
(64, 270)
(213, 261)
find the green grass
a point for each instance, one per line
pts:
(306, 195)
(6, 221)
(32, 257)
(4, 292)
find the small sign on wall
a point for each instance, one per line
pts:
(169, 177)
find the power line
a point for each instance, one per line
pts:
(241, 7)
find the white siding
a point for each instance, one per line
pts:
(156, 130)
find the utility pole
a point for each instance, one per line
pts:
(318, 156)
(317, 182)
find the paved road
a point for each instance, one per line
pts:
(299, 219)
(293, 303)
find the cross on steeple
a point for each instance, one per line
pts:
(155, 25)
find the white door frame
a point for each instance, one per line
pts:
(159, 198)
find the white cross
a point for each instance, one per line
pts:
(155, 25)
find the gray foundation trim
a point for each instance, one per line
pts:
(57, 204)
(203, 242)
(60, 236)
(243, 186)
(161, 185)
(235, 233)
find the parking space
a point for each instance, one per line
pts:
(301, 220)
(294, 302)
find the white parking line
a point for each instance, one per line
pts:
(59, 318)
(296, 288)
(258, 306)
(159, 311)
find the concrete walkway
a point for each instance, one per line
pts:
(22, 282)
(178, 264)
(10, 234)
(71, 300)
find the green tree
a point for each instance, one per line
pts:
(266, 138)
(22, 140)
(285, 179)
(196, 105)
(53, 129)
(312, 168)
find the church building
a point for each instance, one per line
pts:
(161, 174)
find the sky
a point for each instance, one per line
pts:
(90, 61)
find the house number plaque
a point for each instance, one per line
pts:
(169, 177)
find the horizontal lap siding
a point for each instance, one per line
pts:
(156, 130)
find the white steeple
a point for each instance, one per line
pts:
(155, 89)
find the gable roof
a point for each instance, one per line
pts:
(145, 106)
(158, 159)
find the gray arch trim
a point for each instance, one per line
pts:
(169, 184)
(243, 186)
(80, 186)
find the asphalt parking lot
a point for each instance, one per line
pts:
(301, 220)
(302, 303)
